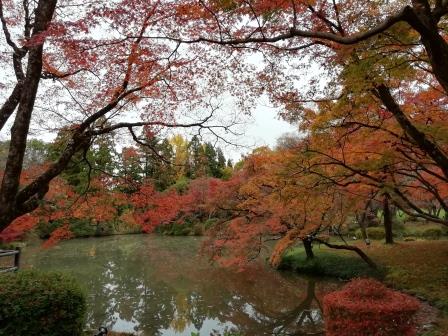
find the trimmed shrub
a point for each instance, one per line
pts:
(426, 231)
(367, 307)
(432, 233)
(44, 304)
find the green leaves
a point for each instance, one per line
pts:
(44, 304)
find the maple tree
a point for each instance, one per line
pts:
(271, 199)
(90, 69)
(377, 126)
(89, 199)
(386, 76)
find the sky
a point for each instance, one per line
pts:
(263, 130)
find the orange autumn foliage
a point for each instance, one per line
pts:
(269, 200)
(61, 233)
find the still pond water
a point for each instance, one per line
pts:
(161, 286)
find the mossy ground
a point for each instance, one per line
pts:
(418, 267)
(329, 264)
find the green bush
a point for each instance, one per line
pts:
(374, 233)
(401, 216)
(433, 233)
(427, 231)
(104, 228)
(176, 229)
(44, 229)
(82, 227)
(187, 226)
(126, 227)
(181, 184)
(209, 223)
(44, 304)
(198, 230)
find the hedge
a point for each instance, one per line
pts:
(366, 307)
(44, 304)
(427, 231)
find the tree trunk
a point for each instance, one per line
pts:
(308, 245)
(355, 249)
(24, 96)
(387, 220)
(420, 138)
(424, 22)
(363, 222)
(362, 226)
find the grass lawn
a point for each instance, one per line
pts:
(420, 268)
(417, 267)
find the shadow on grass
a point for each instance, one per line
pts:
(328, 264)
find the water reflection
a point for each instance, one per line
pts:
(159, 286)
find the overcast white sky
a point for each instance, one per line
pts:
(264, 130)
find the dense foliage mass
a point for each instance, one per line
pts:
(110, 193)
(367, 307)
(47, 304)
(366, 83)
(371, 112)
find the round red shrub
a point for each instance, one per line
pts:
(366, 307)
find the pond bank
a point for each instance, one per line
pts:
(153, 285)
(122, 272)
(419, 268)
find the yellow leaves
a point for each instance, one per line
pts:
(181, 317)
(180, 146)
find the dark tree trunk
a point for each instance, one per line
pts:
(308, 245)
(387, 215)
(363, 222)
(11, 104)
(420, 138)
(426, 24)
(25, 97)
(355, 249)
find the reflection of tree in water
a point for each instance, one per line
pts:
(154, 284)
(305, 319)
(271, 305)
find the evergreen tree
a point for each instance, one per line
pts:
(198, 161)
(99, 159)
(221, 159)
(132, 168)
(212, 162)
(158, 159)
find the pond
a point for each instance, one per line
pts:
(161, 286)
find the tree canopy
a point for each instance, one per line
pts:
(368, 89)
